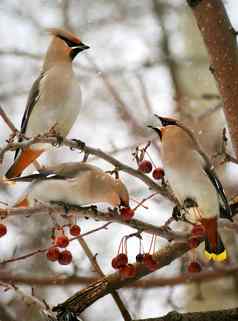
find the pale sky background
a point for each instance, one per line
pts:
(125, 45)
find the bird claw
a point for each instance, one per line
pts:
(179, 213)
(176, 214)
(62, 204)
(80, 144)
(166, 228)
(113, 211)
(94, 208)
(59, 140)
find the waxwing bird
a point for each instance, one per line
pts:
(77, 183)
(193, 182)
(54, 100)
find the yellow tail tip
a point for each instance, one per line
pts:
(216, 257)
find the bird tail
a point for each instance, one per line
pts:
(23, 202)
(26, 157)
(217, 253)
(214, 247)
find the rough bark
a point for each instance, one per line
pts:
(96, 290)
(220, 315)
(220, 40)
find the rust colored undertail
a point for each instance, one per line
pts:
(210, 225)
(214, 247)
(25, 159)
(22, 203)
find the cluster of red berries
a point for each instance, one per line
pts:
(146, 167)
(194, 267)
(62, 241)
(120, 262)
(147, 260)
(3, 230)
(197, 232)
(127, 270)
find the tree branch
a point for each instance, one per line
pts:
(147, 283)
(220, 40)
(79, 145)
(96, 290)
(39, 251)
(92, 258)
(112, 216)
(221, 315)
(8, 121)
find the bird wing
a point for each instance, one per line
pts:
(31, 101)
(61, 171)
(220, 191)
(44, 175)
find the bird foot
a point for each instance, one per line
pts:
(178, 214)
(66, 207)
(79, 143)
(59, 140)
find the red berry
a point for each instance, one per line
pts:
(127, 213)
(75, 230)
(62, 241)
(198, 230)
(158, 173)
(193, 243)
(122, 259)
(139, 258)
(65, 257)
(119, 261)
(3, 230)
(149, 262)
(145, 166)
(194, 267)
(53, 253)
(128, 271)
(115, 263)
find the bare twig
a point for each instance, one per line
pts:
(65, 9)
(29, 299)
(123, 108)
(147, 283)
(160, 9)
(8, 121)
(144, 93)
(84, 298)
(162, 231)
(79, 145)
(40, 251)
(19, 53)
(115, 295)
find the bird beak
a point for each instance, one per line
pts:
(157, 130)
(81, 46)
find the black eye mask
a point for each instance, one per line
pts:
(70, 43)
